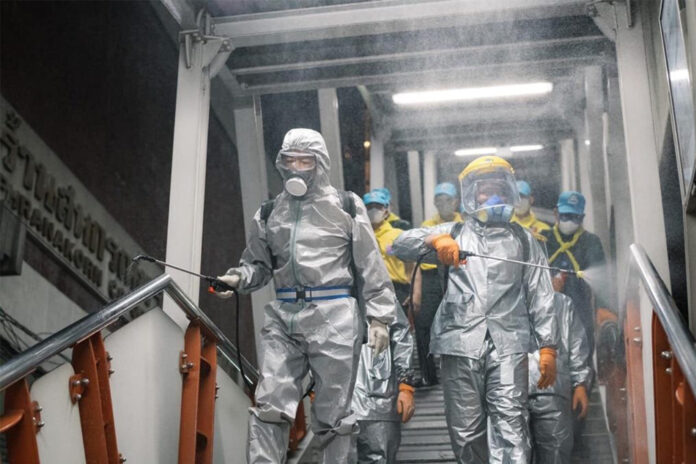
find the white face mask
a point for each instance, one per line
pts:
(376, 216)
(568, 227)
(523, 207)
(296, 186)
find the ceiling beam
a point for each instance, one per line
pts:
(382, 17)
(424, 78)
(480, 53)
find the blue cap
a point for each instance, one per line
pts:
(446, 188)
(524, 188)
(375, 196)
(571, 202)
(384, 191)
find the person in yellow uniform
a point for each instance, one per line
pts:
(377, 204)
(428, 290)
(524, 215)
(393, 218)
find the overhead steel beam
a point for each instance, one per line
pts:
(467, 115)
(453, 142)
(381, 17)
(421, 79)
(465, 54)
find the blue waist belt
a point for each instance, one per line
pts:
(292, 295)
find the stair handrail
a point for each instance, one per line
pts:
(27, 361)
(680, 338)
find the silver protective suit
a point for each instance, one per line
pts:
(376, 392)
(483, 331)
(551, 418)
(311, 242)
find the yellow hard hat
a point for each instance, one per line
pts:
(486, 164)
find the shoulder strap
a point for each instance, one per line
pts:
(267, 209)
(518, 231)
(347, 202)
(454, 233)
(456, 230)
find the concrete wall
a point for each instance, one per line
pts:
(102, 97)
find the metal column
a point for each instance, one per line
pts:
(251, 155)
(594, 111)
(187, 184)
(376, 162)
(643, 172)
(330, 129)
(568, 174)
(429, 183)
(415, 188)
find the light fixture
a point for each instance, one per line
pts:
(516, 148)
(367, 144)
(472, 93)
(587, 142)
(476, 151)
(500, 151)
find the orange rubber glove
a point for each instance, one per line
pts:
(605, 315)
(404, 403)
(547, 367)
(580, 399)
(447, 249)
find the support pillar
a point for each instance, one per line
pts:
(251, 154)
(643, 173)
(568, 174)
(376, 161)
(429, 183)
(415, 187)
(187, 184)
(330, 129)
(594, 114)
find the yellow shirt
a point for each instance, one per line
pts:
(434, 221)
(533, 224)
(386, 234)
(392, 217)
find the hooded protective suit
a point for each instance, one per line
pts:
(309, 246)
(551, 416)
(483, 331)
(551, 420)
(376, 392)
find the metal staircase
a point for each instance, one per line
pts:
(147, 392)
(424, 438)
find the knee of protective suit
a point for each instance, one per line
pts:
(268, 413)
(346, 426)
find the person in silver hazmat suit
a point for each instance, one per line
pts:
(383, 395)
(491, 309)
(551, 410)
(311, 246)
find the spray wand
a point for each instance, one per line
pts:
(214, 285)
(466, 254)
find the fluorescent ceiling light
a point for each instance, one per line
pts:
(501, 151)
(515, 148)
(476, 151)
(472, 93)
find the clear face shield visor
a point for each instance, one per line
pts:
(490, 197)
